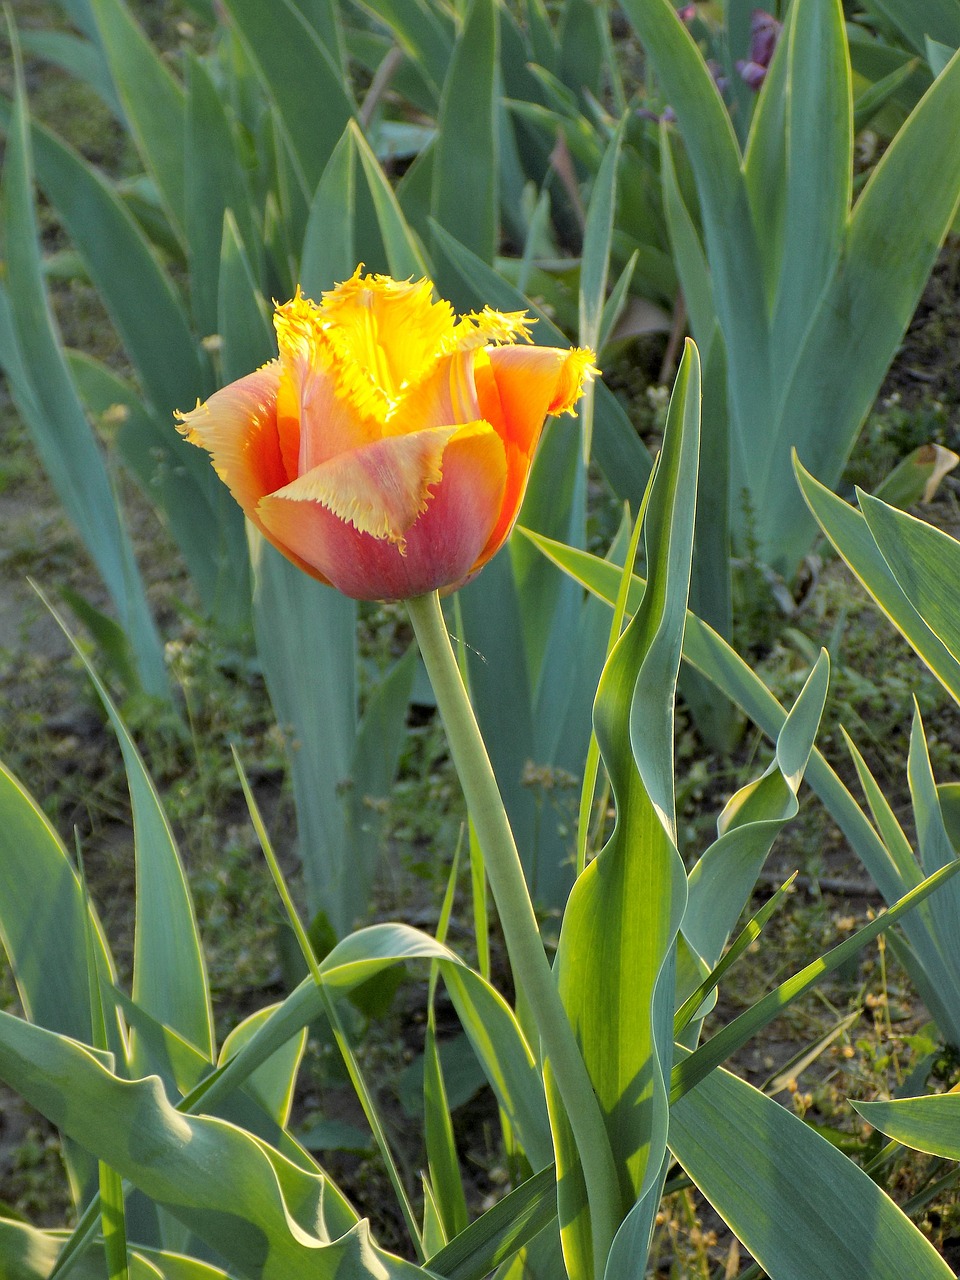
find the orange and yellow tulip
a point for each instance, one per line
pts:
(386, 451)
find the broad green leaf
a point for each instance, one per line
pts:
(169, 973)
(731, 241)
(889, 251)
(595, 265)
(329, 253)
(33, 356)
(263, 1214)
(243, 322)
(580, 47)
(501, 1231)
(724, 877)
(491, 1027)
(301, 78)
(80, 58)
(144, 306)
(818, 130)
(853, 538)
(765, 167)
(709, 654)
(154, 103)
(373, 767)
(273, 1083)
(920, 19)
(688, 253)
(27, 1253)
(930, 1124)
(922, 559)
(42, 918)
(215, 182)
(423, 31)
(613, 968)
(146, 445)
(803, 1210)
(405, 256)
(309, 666)
(465, 193)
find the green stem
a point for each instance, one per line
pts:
(531, 969)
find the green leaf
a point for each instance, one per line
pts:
(501, 1231)
(890, 249)
(706, 652)
(423, 31)
(27, 1253)
(273, 1083)
(465, 195)
(260, 1212)
(215, 182)
(855, 541)
(154, 103)
(922, 559)
(169, 974)
(691, 1070)
(33, 357)
(919, 19)
(405, 256)
(930, 1124)
(329, 253)
(314, 698)
(42, 918)
(724, 877)
(818, 130)
(803, 1209)
(621, 920)
(301, 77)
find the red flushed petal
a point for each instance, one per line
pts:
(442, 548)
(238, 428)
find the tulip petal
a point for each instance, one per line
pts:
(238, 427)
(532, 382)
(385, 333)
(447, 394)
(440, 549)
(380, 488)
(517, 387)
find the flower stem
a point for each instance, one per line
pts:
(531, 969)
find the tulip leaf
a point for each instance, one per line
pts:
(725, 875)
(853, 538)
(709, 654)
(423, 32)
(465, 173)
(329, 243)
(691, 1070)
(309, 666)
(33, 356)
(922, 559)
(889, 251)
(80, 58)
(27, 1253)
(272, 1084)
(243, 324)
(818, 128)
(500, 1232)
(154, 103)
(301, 77)
(169, 974)
(803, 1209)
(613, 968)
(215, 182)
(405, 256)
(930, 1124)
(260, 1212)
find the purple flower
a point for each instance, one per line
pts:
(764, 33)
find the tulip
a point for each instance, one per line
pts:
(387, 450)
